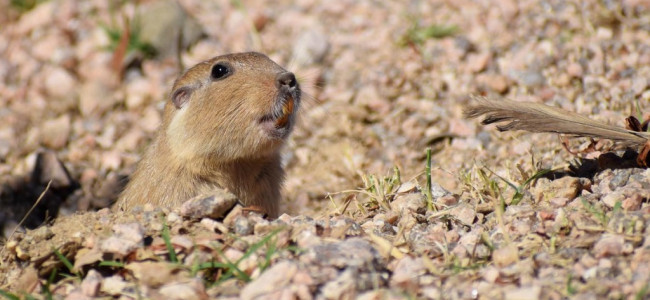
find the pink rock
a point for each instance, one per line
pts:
(59, 83)
(506, 255)
(193, 290)
(94, 98)
(574, 70)
(41, 16)
(633, 202)
(273, 279)
(90, 285)
(608, 245)
(137, 91)
(55, 133)
(151, 119)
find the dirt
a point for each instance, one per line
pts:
(509, 215)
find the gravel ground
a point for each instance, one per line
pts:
(507, 215)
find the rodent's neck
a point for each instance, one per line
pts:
(235, 175)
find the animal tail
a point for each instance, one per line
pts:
(537, 117)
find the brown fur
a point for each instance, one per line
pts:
(217, 138)
(537, 117)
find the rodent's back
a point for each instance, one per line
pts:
(223, 126)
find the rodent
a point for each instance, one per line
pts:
(223, 127)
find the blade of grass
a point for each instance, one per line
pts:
(66, 262)
(168, 243)
(259, 244)
(430, 205)
(569, 286)
(232, 269)
(642, 293)
(111, 263)
(8, 295)
(46, 288)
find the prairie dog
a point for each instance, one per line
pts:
(223, 127)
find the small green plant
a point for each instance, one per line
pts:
(135, 42)
(168, 243)
(427, 170)
(597, 212)
(381, 189)
(642, 293)
(45, 289)
(9, 295)
(66, 263)
(24, 5)
(231, 269)
(519, 189)
(570, 289)
(417, 35)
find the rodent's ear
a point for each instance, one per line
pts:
(181, 96)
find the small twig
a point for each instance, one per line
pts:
(28, 213)
(31, 209)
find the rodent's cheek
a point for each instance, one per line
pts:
(177, 137)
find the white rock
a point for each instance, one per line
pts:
(273, 279)
(55, 133)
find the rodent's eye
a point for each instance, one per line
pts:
(220, 71)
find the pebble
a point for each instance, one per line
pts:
(113, 285)
(524, 293)
(41, 16)
(497, 83)
(130, 231)
(94, 98)
(137, 92)
(274, 278)
(353, 252)
(565, 187)
(505, 256)
(208, 206)
(243, 226)
(310, 47)
(406, 274)
(343, 287)
(118, 245)
(530, 78)
(608, 245)
(214, 226)
(60, 84)
(574, 70)
(464, 213)
(194, 290)
(182, 241)
(127, 238)
(152, 273)
(56, 132)
(411, 202)
(478, 62)
(42, 233)
(91, 283)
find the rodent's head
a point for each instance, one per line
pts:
(234, 106)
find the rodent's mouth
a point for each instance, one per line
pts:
(287, 111)
(279, 122)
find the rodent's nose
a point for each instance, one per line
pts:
(286, 79)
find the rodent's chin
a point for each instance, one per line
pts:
(279, 122)
(269, 126)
